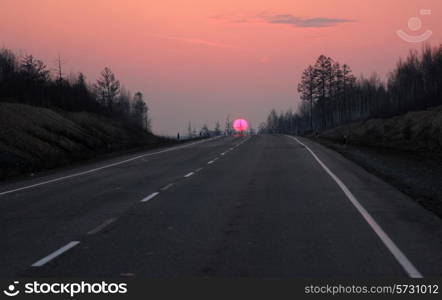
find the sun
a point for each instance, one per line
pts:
(240, 125)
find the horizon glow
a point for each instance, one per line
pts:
(203, 62)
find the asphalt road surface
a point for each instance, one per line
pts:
(267, 206)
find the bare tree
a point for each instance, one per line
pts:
(107, 88)
(306, 88)
(217, 129)
(228, 126)
(34, 69)
(205, 131)
(122, 104)
(189, 131)
(140, 110)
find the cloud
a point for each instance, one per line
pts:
(304, 22)
(287, 19)
(197, 41)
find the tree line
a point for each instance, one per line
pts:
(217, 130)
(25, 79)
(332, 96)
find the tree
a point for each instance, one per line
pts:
(306, 88)
(205, 130)
(61, 84)
(272, 122)
(81, 96)
(323, 75)
(107, 88)
(347, 83)
(33, 80)
(228, 126)
(8, 74)
(140, 109)
(27, 80)
(189, 131)
(123, 103)
(217, 129)
(8, 63)
(34, 69)
(59, 69)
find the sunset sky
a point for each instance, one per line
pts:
(202, 60)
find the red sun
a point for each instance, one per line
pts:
(240, 125)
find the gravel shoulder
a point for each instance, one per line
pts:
(417, 175)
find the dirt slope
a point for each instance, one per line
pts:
(34, 138)
(417, 132)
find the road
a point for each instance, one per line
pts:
(269, 206)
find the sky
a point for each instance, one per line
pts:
(200, 61)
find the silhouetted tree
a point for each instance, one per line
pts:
(306, 89)
(228, 127)
(205, 131)
(27, 80)
(34, 69)
(140, 110)
(332, 96)
(107, 88)
(122, 103)
(189, 131)
(217, 129)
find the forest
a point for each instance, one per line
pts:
(28, 80)
(332, 95)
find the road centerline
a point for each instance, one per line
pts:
(101, 226)
(166, 186)
(102, 167)
(151, 196)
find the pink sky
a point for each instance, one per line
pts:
(202, 60)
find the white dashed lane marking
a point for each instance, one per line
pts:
(151, 196)
(166, 187)
(55, 254)
(189, 174)
(101, 226)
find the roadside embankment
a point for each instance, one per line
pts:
(405, 151)
(35, 138)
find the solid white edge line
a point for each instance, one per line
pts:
(104, 167)
(151, 196)
(210, 162)
(54, 254)
(189, 174)
(400, 257)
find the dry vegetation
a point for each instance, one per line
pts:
(34, 138)
(418, 132)
(405, 151)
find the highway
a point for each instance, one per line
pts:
(266, 206)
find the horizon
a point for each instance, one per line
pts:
(203, 63)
